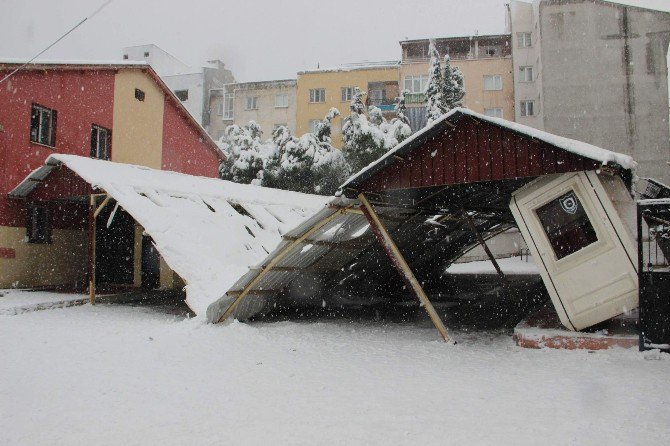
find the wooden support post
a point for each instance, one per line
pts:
(401, 265)
(266, 269)
(493, 260)
(91, 249)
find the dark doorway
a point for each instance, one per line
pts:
(151, 273)
(115, 246)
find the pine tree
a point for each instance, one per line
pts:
(324, 128)
(308, 164)
(368, 138)
(459, 88)
(244, 160)
(453, 90)
(435, 102)
(401, 108)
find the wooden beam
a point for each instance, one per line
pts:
(102, 206)
(91, 249)
(481, 241)
(276, 260)
(400, 263)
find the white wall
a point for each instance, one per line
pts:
(192, 82)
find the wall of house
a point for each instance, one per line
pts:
(137, 137)
(216, 125)
(524, 19)
(604, 78)
(184, 149)
(62, 262)
(80, 98)
(266, 114)
(194, 84)
(476, 98)
(153, 132)
(333, 81)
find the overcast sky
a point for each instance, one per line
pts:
(257, 39)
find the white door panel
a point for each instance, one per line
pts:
(572, 227)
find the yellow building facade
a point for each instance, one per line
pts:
(486, 64)
(320, 90)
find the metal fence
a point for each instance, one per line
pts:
(653, 234)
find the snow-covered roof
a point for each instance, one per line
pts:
(38, 62)
(386, 64)
(458, 37)
(209, 231)
(570, 145)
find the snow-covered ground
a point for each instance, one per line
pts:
(19, 301)
(511, 265)
(130, 375)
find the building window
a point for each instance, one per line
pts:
(524, 40)
(38, 225)
(492, 82)
(100, 142)
(495, 112)
(43, 125)
(219, 109)
(125, 57)
(139, 94)
(146, 54)
(228, 105)
(566, 225)
(313, 125)
(182, 95)
(527, 108)
(281, 100)
(525, 74)
(416, 84)
(489, 51)
(376, 97)
(252, 103)
(347, 93)
(317, 95)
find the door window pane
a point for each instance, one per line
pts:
(566, 224)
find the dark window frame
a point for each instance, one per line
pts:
(38, 225)
(566, 224)
(182, 95)
(96, 132)
(37, 134)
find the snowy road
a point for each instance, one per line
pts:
(122, 375)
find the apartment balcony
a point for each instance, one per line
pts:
(415, 98)
(385, 105)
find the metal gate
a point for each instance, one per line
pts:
(653, 235)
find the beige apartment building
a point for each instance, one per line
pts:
(320, 90)
(270, 103)
(486, 64)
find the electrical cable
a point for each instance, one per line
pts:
(100, 8)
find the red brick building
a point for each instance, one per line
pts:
(121, 112)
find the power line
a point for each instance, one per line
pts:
(93, 14)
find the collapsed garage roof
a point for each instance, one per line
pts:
(438, 194)
(209, 231)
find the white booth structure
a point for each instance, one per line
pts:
(580, 228)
